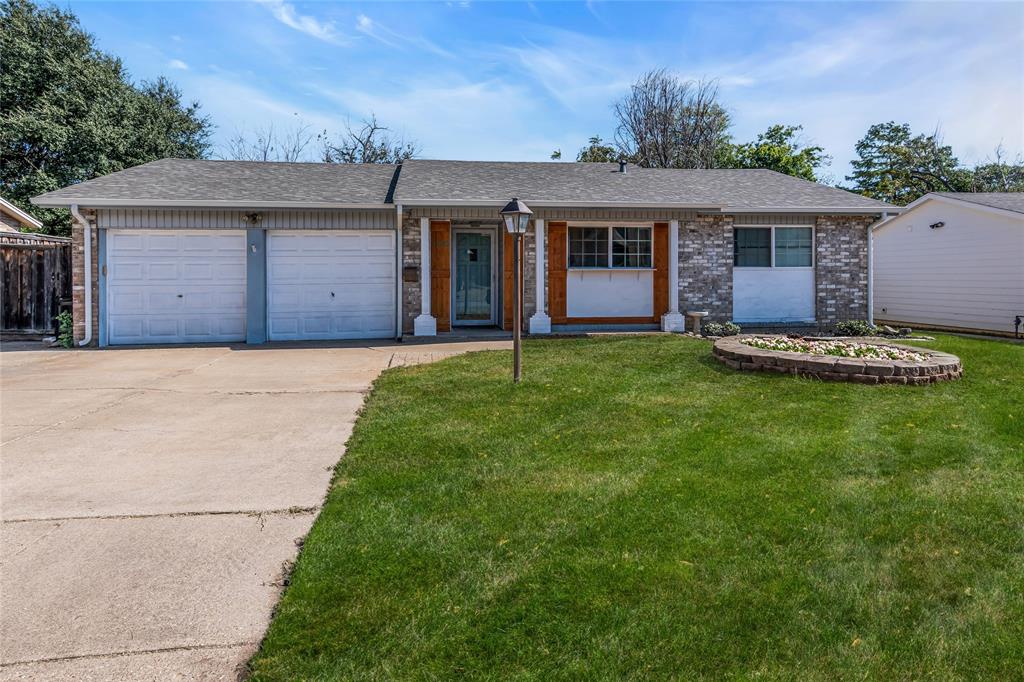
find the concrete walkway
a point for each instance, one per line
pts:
(151, 498)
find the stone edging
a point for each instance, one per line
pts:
(938, 366)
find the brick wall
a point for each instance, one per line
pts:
(841, 268)
(705, 266)
(78, 283)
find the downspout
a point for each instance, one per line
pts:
(87, 339)
(871, 266)
(398, 272)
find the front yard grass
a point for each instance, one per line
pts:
(634, 509)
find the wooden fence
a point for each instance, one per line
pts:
(35, 279)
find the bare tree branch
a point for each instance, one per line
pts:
(371, 142)
(266, 144)
(667, 123)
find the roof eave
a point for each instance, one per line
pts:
(820, 210)
(413, 203)
(190, 203)
(19, 214)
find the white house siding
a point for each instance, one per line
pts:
(609, 293)
(968, 274)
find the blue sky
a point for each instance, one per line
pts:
(490, 80)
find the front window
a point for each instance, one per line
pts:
(752, 247)
(631, 247)
(588, 247)
(793, 247)
(615, 247)
(773, 247)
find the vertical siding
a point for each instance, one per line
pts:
(211, 219)
(967, 274)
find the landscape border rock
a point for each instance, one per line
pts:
(937, 366)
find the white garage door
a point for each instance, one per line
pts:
(330, 285)
(175, 286)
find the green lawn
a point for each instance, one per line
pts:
(634, 509)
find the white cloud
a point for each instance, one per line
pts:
(177, 64)
(385, 35)
(321, 30)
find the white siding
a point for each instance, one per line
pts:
(968, 273)
(773, 294)
(610, 293)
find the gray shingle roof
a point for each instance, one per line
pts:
(1008, 201)
(180, 181)
(602, 184)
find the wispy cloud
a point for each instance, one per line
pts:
(286, 13)
(177, 64)
(394, 39)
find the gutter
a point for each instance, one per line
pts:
(87, 228)
(871, 264)
(398, 272)
(199, 204)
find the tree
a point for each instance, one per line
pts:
(894, 166)
(664, 122)
(997, 175)
(71, 113)
(370, 143)
(777, 149)
(598, 152)
(266, 144)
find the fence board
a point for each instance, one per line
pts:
(34, 279)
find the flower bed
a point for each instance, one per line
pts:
(868, 362)
(844, 349)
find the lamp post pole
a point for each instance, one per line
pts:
(516, 216)
(517, 322)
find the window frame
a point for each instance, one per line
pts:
(610, 242)
(771, 247)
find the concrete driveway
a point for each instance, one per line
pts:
(151, 498)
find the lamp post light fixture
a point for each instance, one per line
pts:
(516, 216)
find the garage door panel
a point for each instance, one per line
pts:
(175, 286)
(331, 285)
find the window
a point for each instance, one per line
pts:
(615, 247)
(793, 247)
(752, 247)
(773, 247)
(631, 247)
(588, 247)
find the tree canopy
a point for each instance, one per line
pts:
(897, 166)
(72, 113)
(777, 149)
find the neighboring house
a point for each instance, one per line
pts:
(13, 219)
(952, 260)
(190, 251)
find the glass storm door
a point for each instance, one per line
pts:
(473, 278)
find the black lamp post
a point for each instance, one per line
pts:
(516, 216)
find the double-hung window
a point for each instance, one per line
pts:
(610, 247)
(773, 247)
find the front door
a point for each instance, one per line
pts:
(473, 299)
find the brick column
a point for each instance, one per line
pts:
(705, 266)
(841, 268)
(78, 281)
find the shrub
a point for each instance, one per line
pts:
(719, 329)
(854, 328)
(65, 329)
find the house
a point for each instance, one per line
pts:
(194, 250)
(952, 260)
(13, 219)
